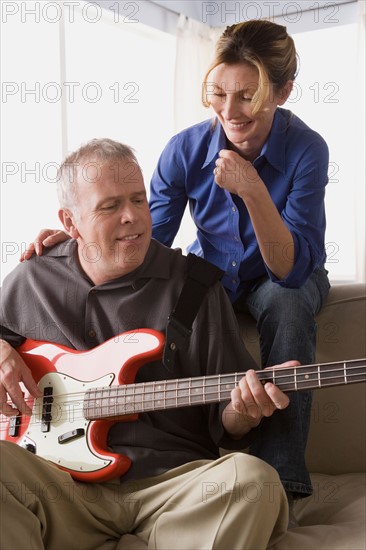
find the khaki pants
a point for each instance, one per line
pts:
(236, 502)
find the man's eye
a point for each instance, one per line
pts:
(217, 94)
(109, 207)
(139, 200)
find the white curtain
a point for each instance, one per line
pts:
(194, 54)
(360, 195)
(195, 49)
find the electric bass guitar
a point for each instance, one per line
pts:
(86, 392)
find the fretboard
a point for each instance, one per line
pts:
(108, 402)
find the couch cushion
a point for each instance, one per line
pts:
(333, 518)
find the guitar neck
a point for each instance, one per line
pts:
(108, 402)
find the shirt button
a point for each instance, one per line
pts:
(234, 281)
(233, 263)
(233, 208)
(92, 333)
(236, 238)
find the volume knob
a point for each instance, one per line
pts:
(29, 447)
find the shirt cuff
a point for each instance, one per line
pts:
(302, 268)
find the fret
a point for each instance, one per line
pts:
(89, 404)
(345, 372)
(319, 379)
(295, 379)
(227, 383)
(171, 394)
(184, 391)
(158, 396)
(113, 401)
(196, 395)
(129, 400)
(149, 394)
(133, 399)
(165, 385)
(122, 405)
(332, 373)
(97, 404)
(142, 402)
(306, 378)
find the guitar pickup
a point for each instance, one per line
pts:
(14, 424)
(46, 409)
(70, 436)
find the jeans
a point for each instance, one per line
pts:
(287, 330)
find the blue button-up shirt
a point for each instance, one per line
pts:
(293, 164)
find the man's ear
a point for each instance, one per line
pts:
(285, 92)
(67, 220)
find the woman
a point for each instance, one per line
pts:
(255, 179)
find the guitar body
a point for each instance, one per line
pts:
(57, 430)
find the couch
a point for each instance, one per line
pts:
(334, 517)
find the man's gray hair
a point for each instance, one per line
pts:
(87, 161)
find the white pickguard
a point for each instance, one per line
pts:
(67, 415)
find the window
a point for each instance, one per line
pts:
(75, 72)
(83, 75)
(328, 96)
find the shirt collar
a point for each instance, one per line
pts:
(155, 265)
(274, 148)
(217, 142)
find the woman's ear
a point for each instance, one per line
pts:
(67, 220)
(285, 92)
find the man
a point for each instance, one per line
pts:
(111, 277)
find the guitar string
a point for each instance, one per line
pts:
(210, 397)
(213, 382)
(218, 380)
(154, 386)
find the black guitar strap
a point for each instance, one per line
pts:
(201, 275)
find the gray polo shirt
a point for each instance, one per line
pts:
(51, 298)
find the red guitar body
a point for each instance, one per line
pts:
(57, 430)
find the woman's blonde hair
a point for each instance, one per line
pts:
(262, 44)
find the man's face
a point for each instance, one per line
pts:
(113, 222)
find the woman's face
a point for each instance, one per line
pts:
(230, 90)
